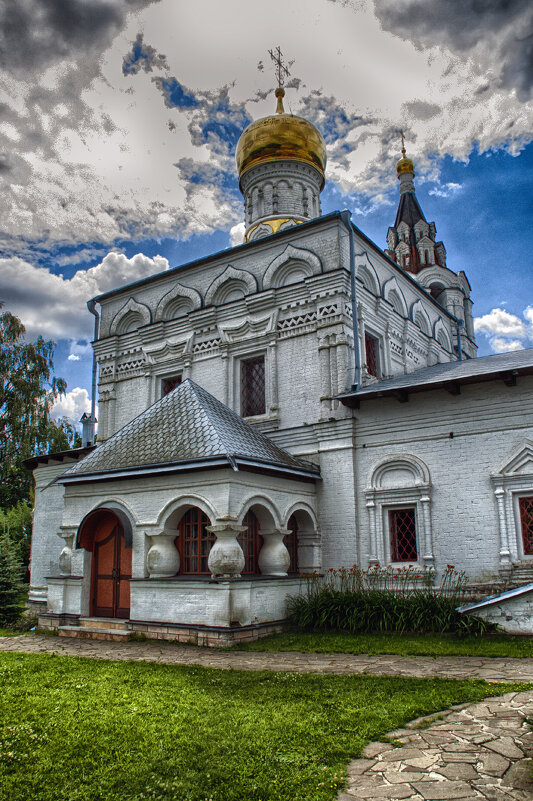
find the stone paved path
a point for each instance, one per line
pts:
(505, 670)
(479, 751)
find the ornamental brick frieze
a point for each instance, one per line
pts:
(169, 350)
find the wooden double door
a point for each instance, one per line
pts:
(111, 571)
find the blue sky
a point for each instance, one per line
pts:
(118, 130)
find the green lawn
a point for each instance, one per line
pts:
(80, 729)
(402, 644)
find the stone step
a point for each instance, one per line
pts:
(90, 633)
(103, 623)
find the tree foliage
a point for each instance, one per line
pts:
(27, 393)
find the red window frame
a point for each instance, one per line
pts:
(291, 543)
(525, 505)
(194, 542)
(402, 531)
(253, 401)
(371, 352)
(169, 384)
(250, 542)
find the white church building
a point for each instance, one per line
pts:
(302, 401)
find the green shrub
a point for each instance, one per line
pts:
(384, 600)
(11, 585)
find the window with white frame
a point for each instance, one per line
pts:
(398, 502)
(372, 354)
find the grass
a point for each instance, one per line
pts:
(491, 645)
(76, 729)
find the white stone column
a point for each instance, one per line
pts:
(273, 362)
(428, 533)
(162, 559)
(325, 376)
(373, 551)
(309, 551)
(505, 555)
(226, 557)
(274, 558)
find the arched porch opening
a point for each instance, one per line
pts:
(194, 542)
(107, 534)
(303, 542)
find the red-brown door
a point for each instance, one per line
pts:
(111, 571)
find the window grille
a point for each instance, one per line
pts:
(250, 542)
(402, 528)
(526, 521)
(371, 350)
(291, 543)
(253, 386)
(194, 542)
(169, 384)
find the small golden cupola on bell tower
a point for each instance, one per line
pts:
(281, 160)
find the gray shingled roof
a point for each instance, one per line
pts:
(186, 427)
(469, 371)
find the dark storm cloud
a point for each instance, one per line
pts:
(36, 33)
(504, 28)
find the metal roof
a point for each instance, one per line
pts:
(449, 375)
(186, 429)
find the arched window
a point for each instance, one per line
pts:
(291, 543)
(250, 542)
(194, 542)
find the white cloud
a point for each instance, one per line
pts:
(55, 307)
(445, 190)
(236, 234)
(72, 405)
(499, 321)
(73, 358)
(501, 345)
(90, 153)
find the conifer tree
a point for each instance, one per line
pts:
(10, 582)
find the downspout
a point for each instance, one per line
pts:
(346, 218)
(459, 342)
(90, 422)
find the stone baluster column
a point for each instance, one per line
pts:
(274, 558)
(67, 533)
(162, 559)
(505, 554)
(428, 534)
(226, 557)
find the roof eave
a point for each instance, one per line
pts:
(352, 399)
(188, 465)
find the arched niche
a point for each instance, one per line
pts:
(400, 470)
(130, 317)
(291, 266)
(231, 284)
(179, 301)
(393, 294)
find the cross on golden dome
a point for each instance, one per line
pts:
(282, 70)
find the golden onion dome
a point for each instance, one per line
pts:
(279, 137)
(405, 165)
